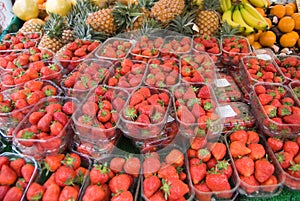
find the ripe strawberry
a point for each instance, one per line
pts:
(285, 159)
(263, 170)
(238, 149)
(275, 144)
(151, 185)
(245, 166)
(198, 172)
(257, 151)
(120, 182)
(265, 98)
(291, 147)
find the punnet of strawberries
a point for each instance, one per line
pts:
(288, 155)
(62, 178)
(295, 86)
(86, 76)
(25, 59)
(46, 127)
(290, 66)
(43, 70)
(98, 116)
(146, 47)
(18, 41)
(256, 70)
(175, 45)
(162, 73)
(73, 53)
(211, 169)
(114, 49)
(114, 178)
(197, 68)
(209, 44)
(145, 114)
(277, 109)
(16, 102)
(17, 172)
(195, 107)
(127, 74)
(234, 48)
(258, 171)
(165, 176)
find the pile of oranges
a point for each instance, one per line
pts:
(288, 24)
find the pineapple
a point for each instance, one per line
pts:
(33, 25)
(102, 21)
(53, 32)
(166, 10)
(208, 19)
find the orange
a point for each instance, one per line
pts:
(278, 10)
(261, 11)
(256, 35)
(251, 38)
(286, 24)
(289, 9)
(256, 45)
(296, 17)
(289, 39)
(269, 22)
(267, 38)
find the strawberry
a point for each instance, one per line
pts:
(291, 147)
(198, 172)
(265, 98)
(240, 135)
(238, 149)
(263, 170)
(252, 183)
(35, 191)
(285, 159)
(217, 182)
(174, 188)
(218, 150)
(257, 151)
(292, 119)
(204, 92)
(119, 183)
(245, 166)
(151, 185)
(275, 144)
(7, 175)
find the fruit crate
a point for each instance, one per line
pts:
(127, 74)
(226, 89)
(212, 156)
(197, 68)
(268, 117)
(236, 114)
(163, 73)
(148, 120)
(196, 110)
(114, 49)
(175, 46)
(9, 120)
(231, 56)
(97, 118)
(157, 164)
(119, 171)
(24, 183)
(210, 45)
(88, 75)
(289, 66)
(286, 151)
(251, 145)
(254, 69)
(36, 135)
(295, 86)
(61, 172)
(72, 54)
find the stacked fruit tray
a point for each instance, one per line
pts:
(83, 112)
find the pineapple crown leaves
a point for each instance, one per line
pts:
(148, 4)
(54, 26)
(149, 27)
(211, 4)
(226, 29)
(126, 15)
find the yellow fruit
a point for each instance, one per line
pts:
(251, 38)
(256, 45)
(286, 24)
(26, 9)
(296, 17)
(289, 39)
(60, 7)
(267, 38)
(278, 10)
(290, 8)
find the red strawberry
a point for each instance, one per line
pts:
(198, 172)
(238, 149)
(204, 92)
(151, 185)
(285, 159)
(263, 170)
(245, 166)
(265, 98)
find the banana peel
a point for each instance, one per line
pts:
(26, 9)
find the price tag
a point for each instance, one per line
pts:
(170, 119)
(226, 111)
(222, 82)
(264, 56)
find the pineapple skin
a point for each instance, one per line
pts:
(208, 22)
(53, 44)
(102, 21)
(166, 10)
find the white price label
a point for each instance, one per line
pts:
(170, 119)
(264, 56)
(222, 82)
(226, 111)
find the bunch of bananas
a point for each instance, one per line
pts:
(243, 16)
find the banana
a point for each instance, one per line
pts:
(227, 17)
(254, 12)
(253, 21)
(237, 17)
(225, 5)
(228, 4)
(257, 3)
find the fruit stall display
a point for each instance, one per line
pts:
(151, 100)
